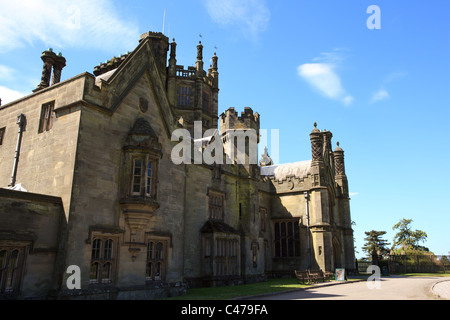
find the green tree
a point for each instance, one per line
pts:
(408, 239)
(375, 242)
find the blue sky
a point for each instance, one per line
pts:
(384, 93)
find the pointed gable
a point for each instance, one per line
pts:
(117, 83)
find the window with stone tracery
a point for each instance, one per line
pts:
(184, 96)
(156, 260)
(143, 177)
(286, 238)
(103, 259)
(11, 267)
(216, 205)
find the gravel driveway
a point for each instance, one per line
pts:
(390, 288)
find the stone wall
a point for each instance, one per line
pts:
(37, 223)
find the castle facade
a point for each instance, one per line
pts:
(87, 179)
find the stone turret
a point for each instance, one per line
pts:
(235, 129)
(247, 120)
(160, 47)
(265, 160)
(339, 165)
(316, 146)
(199, 63)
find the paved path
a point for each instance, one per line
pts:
(391, 288)
(442, 289)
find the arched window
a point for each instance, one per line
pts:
(11, 266)
(159, 251)
(102, 260)
(12, 271)
(156, 262)
(96, 247)
(106, 274)
(94, 272)
(286, 239)
(149, 272)
(108, 250)
(148, 182)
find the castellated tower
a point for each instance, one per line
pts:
(240, 136)
(193, 93)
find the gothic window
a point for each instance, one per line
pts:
(103, 258)
(142, 178)
(216, 205)
(156, 261)
(226, 257)
(286, 238)
(11, 265)
(2, 134)
(184, 96)
(46, 119)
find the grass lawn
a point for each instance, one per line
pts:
(231, 292)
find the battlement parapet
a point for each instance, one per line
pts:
(246, 115)
(151, 34)
(230, 120)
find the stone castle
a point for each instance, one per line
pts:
(87, 180)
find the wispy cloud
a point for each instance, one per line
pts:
(353, 193)
(322, 76)
(8, 95)
(64, 23)
(6, 72)
(250, 16)
(394, 76)
(381, 94)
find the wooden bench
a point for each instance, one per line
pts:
(315, 276)
(302, 276)
(320, 275)
(328, 275)
(310, 277)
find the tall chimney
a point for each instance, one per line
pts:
(48, 57)
(51, 60)
(60, 63)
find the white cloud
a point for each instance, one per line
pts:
(251, 16)
(8, 95)
(64, 23)
(381, 94)
(5, 72)
(394, 76)
(323, 77)
(353, 193)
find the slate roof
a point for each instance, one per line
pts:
(282, 171)
(211, 226)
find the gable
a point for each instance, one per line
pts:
(116, 84)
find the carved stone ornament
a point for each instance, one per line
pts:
(143, 105)
(142, 137)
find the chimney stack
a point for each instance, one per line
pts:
(60, 63)
(51, 60)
